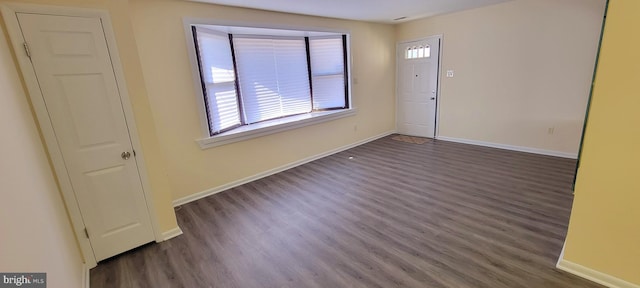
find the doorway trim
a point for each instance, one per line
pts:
(9, 13)
(439, 79)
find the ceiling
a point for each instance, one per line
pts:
(384, 11)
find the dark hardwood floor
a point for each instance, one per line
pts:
(438, 214)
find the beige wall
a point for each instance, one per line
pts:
(521, 67)
(35, 234)
(168, 73)
(604, 231)
(119, 13)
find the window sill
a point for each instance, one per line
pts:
(272, 126)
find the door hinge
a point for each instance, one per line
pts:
(134, 152)
(86, 233)
(26, 49)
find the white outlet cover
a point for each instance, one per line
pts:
(449, 73)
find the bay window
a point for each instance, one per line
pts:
(249, 78)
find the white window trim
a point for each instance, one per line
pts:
(273, 126)
(267, 127)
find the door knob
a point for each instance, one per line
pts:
(125, 155)
(433, 98)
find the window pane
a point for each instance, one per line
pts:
(218, 76)
(274, 79)
(327, 67)
(325, 89)
(223, 99)
(293, 76)
(327, 56)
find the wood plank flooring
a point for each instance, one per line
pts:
(384, 214)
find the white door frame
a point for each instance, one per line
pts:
(437, 116)
(9, 11)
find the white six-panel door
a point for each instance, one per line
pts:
(73, 67)
(417, 87)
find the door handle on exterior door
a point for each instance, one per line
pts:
(125, 155)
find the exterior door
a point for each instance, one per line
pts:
(73, 67)
(417, 82)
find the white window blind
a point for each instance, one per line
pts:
(254, 74)
(273, 77)
(327, 66)
(218, 77)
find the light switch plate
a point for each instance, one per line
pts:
(449, 73)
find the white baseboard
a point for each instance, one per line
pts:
(208, 192)
(593, 275)
(175, 232)
(86, 274)
(511, 147)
